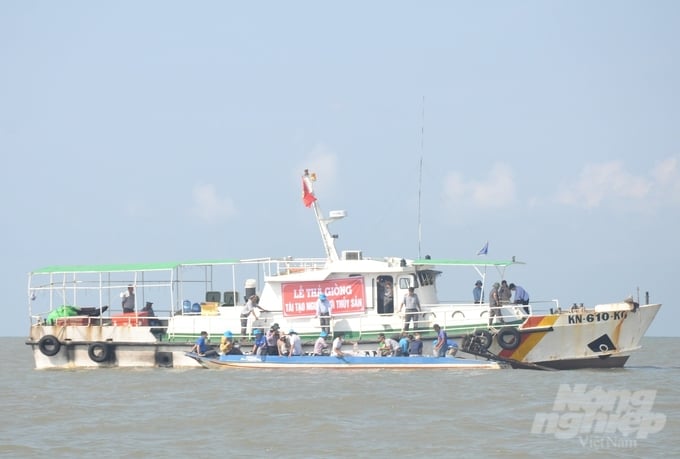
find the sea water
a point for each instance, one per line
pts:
(337, 413)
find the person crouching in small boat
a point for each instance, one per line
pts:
(321, 346)
(227, 345)
(387, 347)
(273, 336)
(295, 347)
(415, 347)
(260, 346)
(202, 348)
(440, 346)
(404, 343)
(337, 345)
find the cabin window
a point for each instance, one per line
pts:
(428, 277)
(385, 296)
(405, 283)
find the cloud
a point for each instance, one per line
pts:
(497, 190)
(209, 207)
(610, 182)
(666, 176)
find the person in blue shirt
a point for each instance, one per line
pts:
(441, 344)
(404, 343)
(202, 348)
(260, 346)
(477, 292)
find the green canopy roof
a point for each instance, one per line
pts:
(451, 262)
(129, 267)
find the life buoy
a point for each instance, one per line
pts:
(99, 352)
(509, 338)
(49, 345)
(484, 338)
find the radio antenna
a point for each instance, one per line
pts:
(420, 174)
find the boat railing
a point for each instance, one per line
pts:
(462, 314)
(288, 265)
(138, 319)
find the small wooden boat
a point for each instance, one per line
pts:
(346, 362)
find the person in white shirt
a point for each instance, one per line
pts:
(337, 346)
(128, 297)
(295, 347)
(248, 309)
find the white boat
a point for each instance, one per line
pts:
(77, 319)
(346, 362)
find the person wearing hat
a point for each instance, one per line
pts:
(477, 293)
(323, 312)
(260, 346)
(273, 337)
(148, 310)
(226, 343)
(321, 346)
(494, 304)
(295, 347)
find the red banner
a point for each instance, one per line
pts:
(308, 197)
(345, 295)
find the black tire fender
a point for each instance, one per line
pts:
(484, 338)
(99, 352)
(508, 338)
(49, 345)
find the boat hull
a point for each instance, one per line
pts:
(600, 338)
(347, 362)
(94, 346)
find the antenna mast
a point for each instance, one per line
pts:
(420, 174)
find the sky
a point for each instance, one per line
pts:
(166, 130)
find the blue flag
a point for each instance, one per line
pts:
(484, 250)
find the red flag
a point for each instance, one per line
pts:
(308, 197)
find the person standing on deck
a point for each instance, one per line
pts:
(248, 309)
(521, 296)
(504, 293)
(494, 304)
(323, 312)
(411, 304)
(128, 297)
(477, 293)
